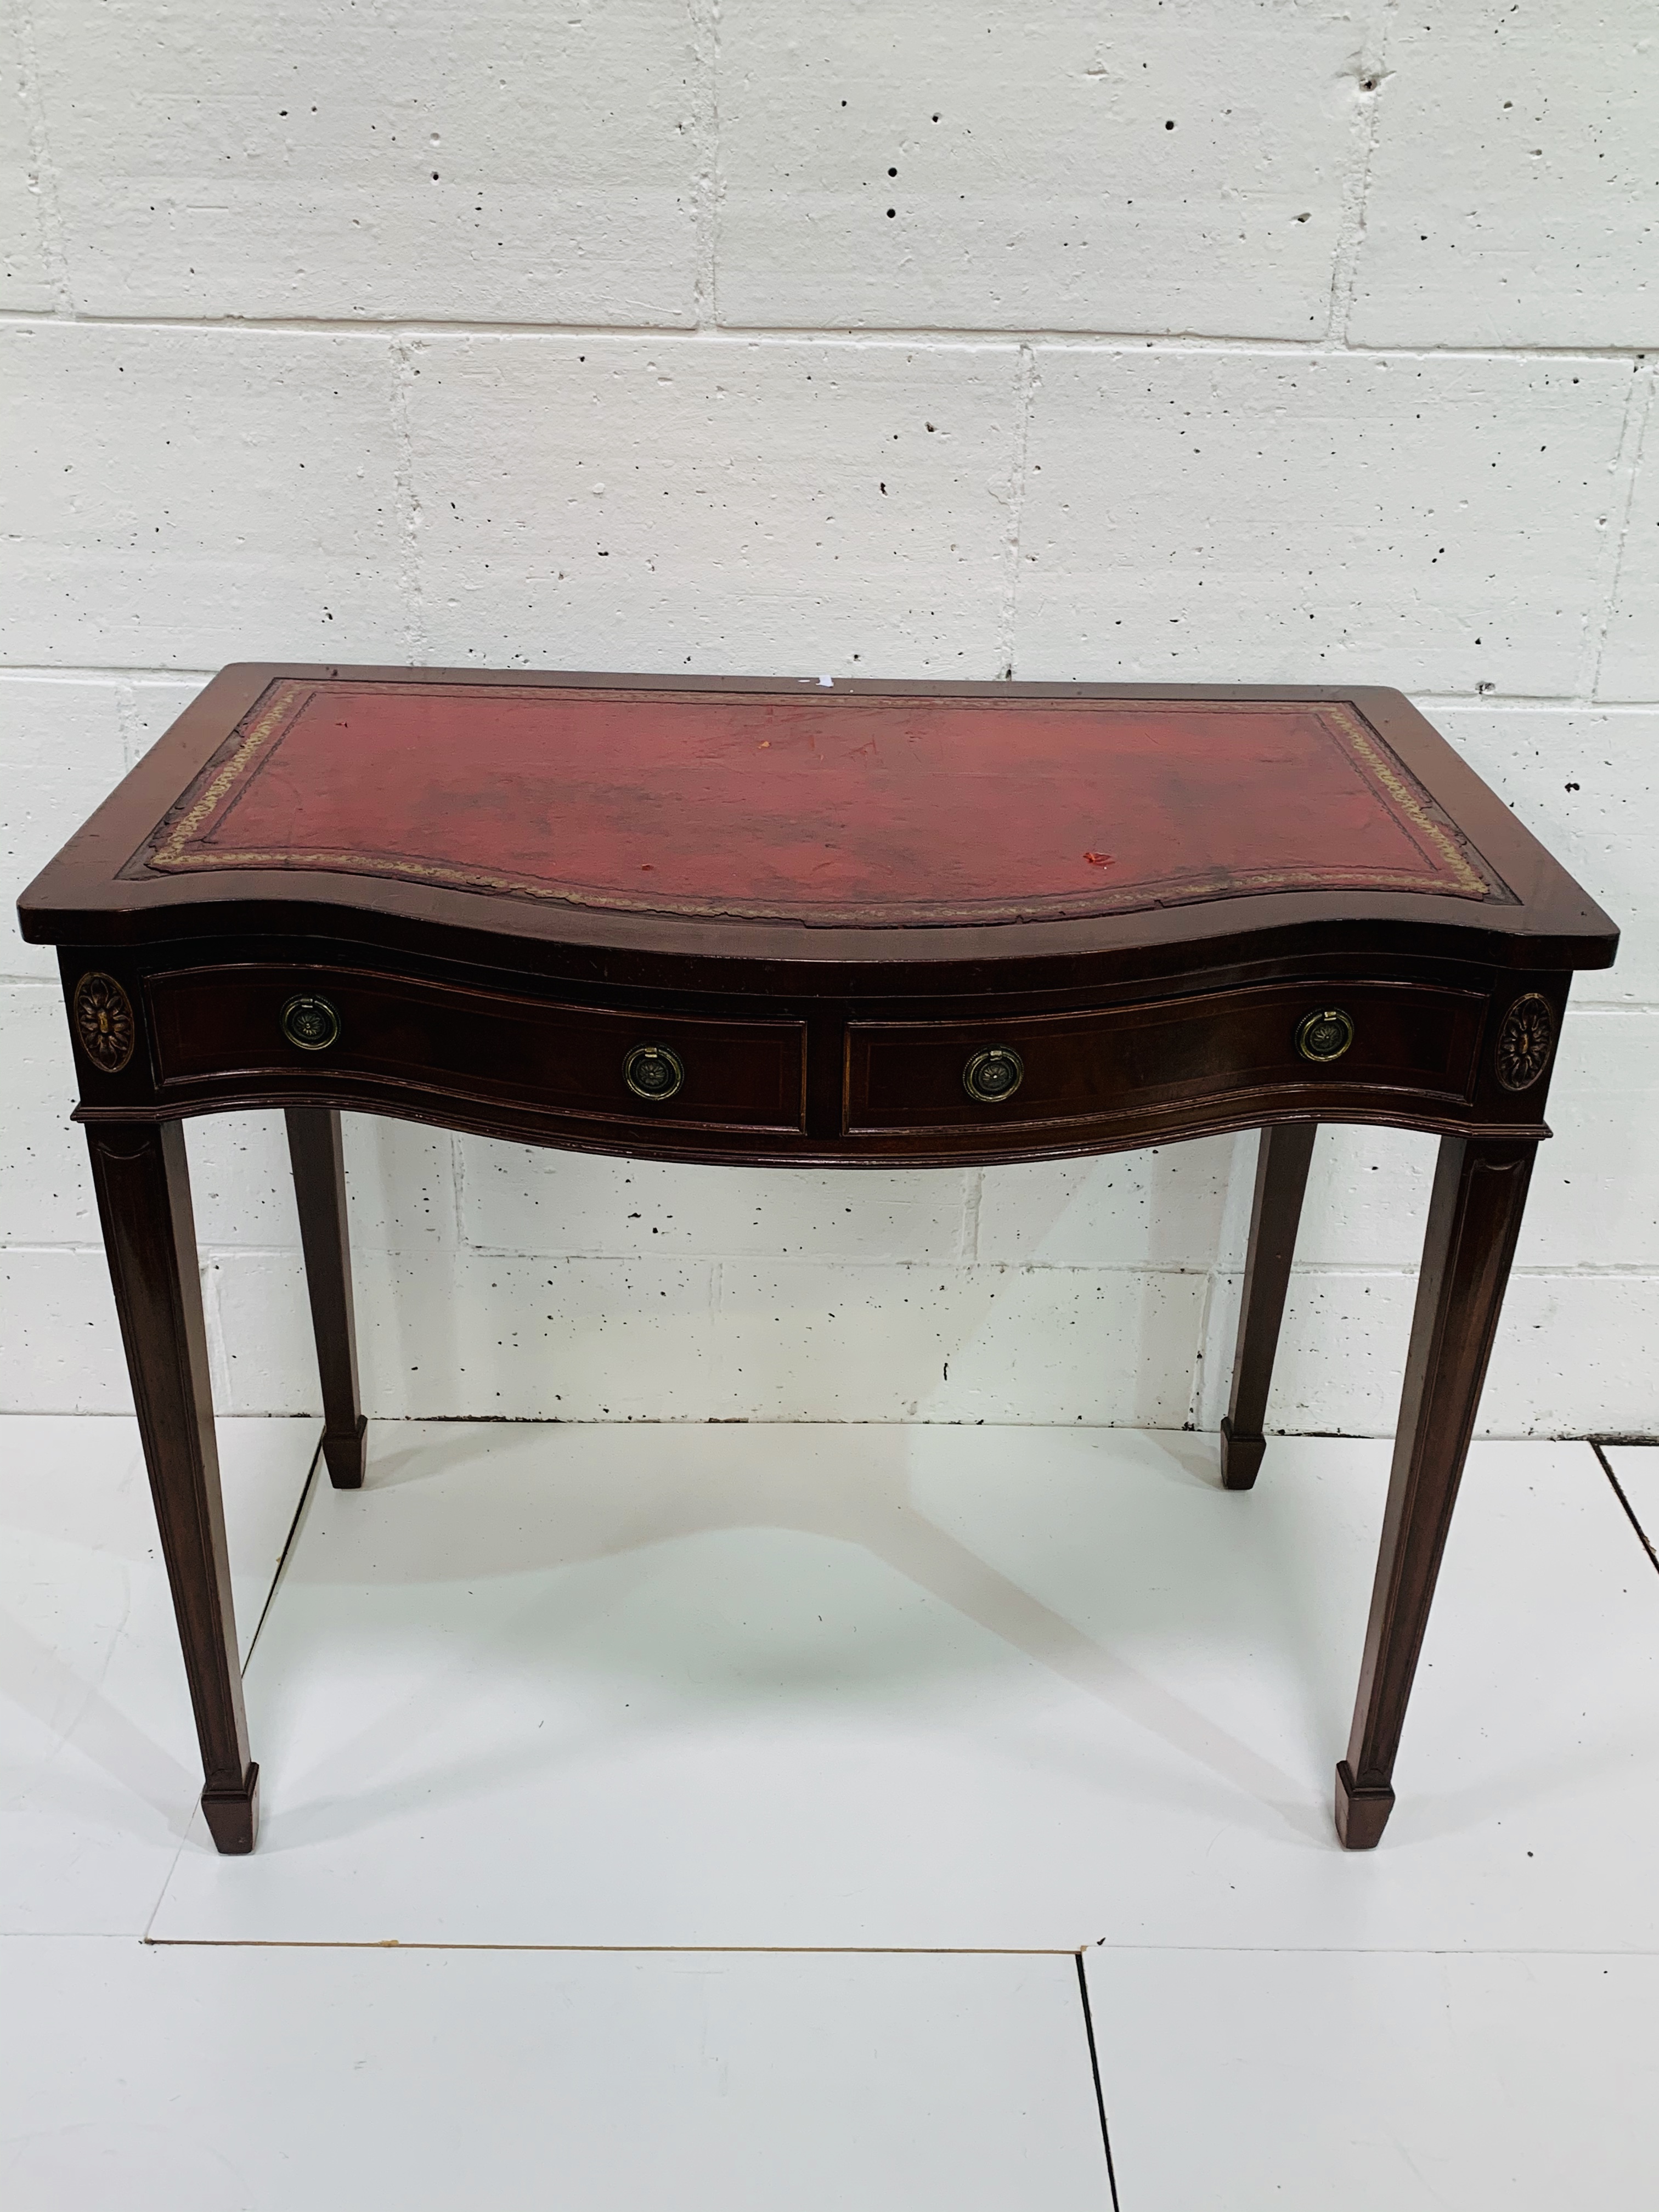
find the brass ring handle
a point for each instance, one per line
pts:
(1325, 1035)
(654, 1072)
(311, 1023)
(993, 1075)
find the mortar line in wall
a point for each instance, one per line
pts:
(293, 1251)
(218, 1351)
(1633, 439)
(705, 18)
(965, 336)
(1025, 381)
(1429, 701)
(409, 499)
(457, 1177)
(801, 1261)
(74, 1248)
(1441, 702)
(1371, 70)
(68, 672)
(1205, 1306)
(973, 1203)
(120, 1414)
(1636, 1271)
(1137, 341)
(53, 256)
(126, 720)
(1632, 1270)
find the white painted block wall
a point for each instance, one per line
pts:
(1274, 340)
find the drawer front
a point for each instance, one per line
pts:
(452, 1042)
(1124, 1060)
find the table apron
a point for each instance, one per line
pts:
(815, 1083)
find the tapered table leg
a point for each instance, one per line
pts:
(1281, 1178)
(143, 1201)
(1474, 1217)
(315, 1147)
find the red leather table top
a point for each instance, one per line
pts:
(814, 805)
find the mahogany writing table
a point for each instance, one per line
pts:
(816, 925)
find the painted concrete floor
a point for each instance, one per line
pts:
(805, 1817)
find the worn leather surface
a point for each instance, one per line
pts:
(813, 805)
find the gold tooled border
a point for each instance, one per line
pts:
(274, 712)
(266, 720)
(1407, 798)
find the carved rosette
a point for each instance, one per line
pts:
(104, 1022)
(1525, 1041)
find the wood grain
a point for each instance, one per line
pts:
(815, 1042)
(142, 1183)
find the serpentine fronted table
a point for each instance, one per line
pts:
(816, 925)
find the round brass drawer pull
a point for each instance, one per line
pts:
(652, 1072)
(311, 1023)
(993, 1075)
(1325, 1035)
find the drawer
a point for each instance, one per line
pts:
(1090, 1067)
(346, 1025)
